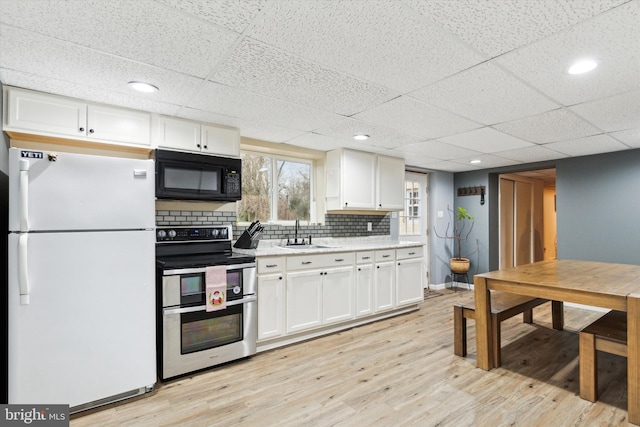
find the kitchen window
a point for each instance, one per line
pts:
(274, 188)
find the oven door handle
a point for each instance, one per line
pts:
(178, 310)
(203, 269)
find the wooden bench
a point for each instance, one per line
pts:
(503, 306)
(608, 334)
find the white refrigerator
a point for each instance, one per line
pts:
(81, 278)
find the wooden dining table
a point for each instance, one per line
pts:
(600, 284)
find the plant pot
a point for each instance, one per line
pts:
(459, 265)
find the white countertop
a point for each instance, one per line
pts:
(347, 244)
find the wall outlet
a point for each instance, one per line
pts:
(369, 226)
(440, 214)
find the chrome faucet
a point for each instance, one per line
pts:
(295, 235)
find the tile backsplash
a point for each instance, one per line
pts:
(336, 225)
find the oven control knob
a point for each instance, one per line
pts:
(162, 234)
(236, 290)
(172, 233)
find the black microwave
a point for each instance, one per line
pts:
(187, 176)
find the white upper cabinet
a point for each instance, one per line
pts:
(357, 180)
(191, 136)
(49, 115)
(390, 183)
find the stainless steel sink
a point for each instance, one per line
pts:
(300, 247)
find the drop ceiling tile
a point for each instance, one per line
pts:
(552, 126)
(259, 68)
(438, 150)
(445, 165)
(486, 161)
(60, 61)
(232, 14)
(316, 142)
(485, 140)
(586, 146)
(141, 30)
(630, 137)
(231, 101)
(380, 136)
(498, 26)
(537, 153)
(416, 118)
(132, 100)
(383, 42)
(612, 37)
(248, 128)
(486, 94)
(612, 114)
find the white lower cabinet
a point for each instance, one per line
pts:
(409, 276)
(337, 295)
(364, 283)
(271, 298)
(304, 300)
(384, 280)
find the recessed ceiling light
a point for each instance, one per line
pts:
(583, 66)
(361, 137)
(475, 161)
(143, 87)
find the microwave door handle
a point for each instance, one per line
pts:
(23, 277)
(24, 195)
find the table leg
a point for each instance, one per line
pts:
(633, 356)
(557, 313)
(483, 323)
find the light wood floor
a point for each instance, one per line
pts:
(396, 372)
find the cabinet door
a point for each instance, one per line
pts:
(390, 183)
(338, 295)
(45, 114)
(178, 134)
(358, 180)
(364, 289)
(118, 125)
(304, 300)
(221, 141)
(384, 286)
(271, 306)
(409, 277)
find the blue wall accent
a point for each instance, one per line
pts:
(598, 207)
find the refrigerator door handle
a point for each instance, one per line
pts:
(23, 278)
(24, 195)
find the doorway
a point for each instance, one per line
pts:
(413, 221)
(527, 217)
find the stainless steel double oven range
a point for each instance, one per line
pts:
(189, 337)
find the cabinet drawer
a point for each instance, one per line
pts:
(270, 265)
(413, 252)
(364, 257)
(303, 262)
(385, 255)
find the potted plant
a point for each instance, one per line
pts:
(462, 227)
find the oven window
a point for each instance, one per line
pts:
(204, 330)
(190, 285)
(191, 179)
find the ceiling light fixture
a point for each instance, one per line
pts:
(475, 161)
(361, 137)
(583, 66)
(143, 87)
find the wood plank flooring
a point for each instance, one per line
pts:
(395, 372)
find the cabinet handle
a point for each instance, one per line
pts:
(306, 262)
(198, 145)
(81, 130)
(366, 257)
(359, 269)
(386, 256)
(345, 203)
(205, 147)
(412, 253)
(339, 260)
(377, 266)
(380, 205)
(280, 278)
(271, 265)
(91, 131)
